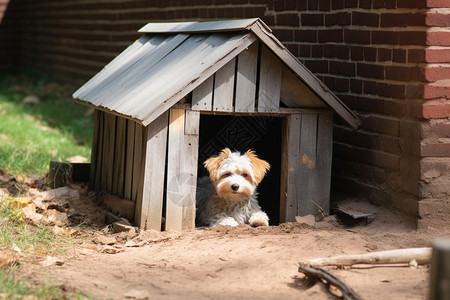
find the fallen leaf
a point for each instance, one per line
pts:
(51, 261)
(31, 99)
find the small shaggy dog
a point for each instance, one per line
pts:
(228, 196)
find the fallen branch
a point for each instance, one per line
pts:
(421, 255)
(314, 274)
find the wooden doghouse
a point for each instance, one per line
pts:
(148, 103)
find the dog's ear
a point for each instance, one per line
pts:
(212, 164)
(260, 167)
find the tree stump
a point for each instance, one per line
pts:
(59, 175)
(440, 270)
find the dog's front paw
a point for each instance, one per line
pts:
(259, 219)
(228, 222)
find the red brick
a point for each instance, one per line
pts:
(288, 19)
(342, 84)
(365, 3)
(437, 19)
(340, 18)
(324, 5)
(412, 38)
(401, 73)
(437, 3)
(436, 73)
(317, 51)
(331, 35)
(416, 55)
(384, 54)
(337, 4)
(438, 89)
(343, 51)
(356, 85)
(313, 4)
(370, 70)
(351, 3)
(370, 87)
(402, 19)
(399, 55)
(442, 130)
(317, 66)
(312, 19)
(343, 68)
(385, 37)
(381, 124)
(305, 35)
(437, 55)
(357, 36)
(304, 50)
(391, 90)
(365, 19)
(412, 3)
(356, 53)
(438, 38)
(435, 150)
(383, 4)
(435, 110)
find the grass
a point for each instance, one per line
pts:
(32, 135)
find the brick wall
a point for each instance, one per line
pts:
(387, 60)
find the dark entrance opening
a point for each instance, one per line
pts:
(262, 134)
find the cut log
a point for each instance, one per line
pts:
(440, 270)
(59, 175)
(398, 256)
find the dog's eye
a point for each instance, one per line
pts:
(227, 174)
(244, 175)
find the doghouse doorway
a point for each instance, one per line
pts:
(240, 133)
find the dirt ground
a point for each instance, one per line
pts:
(230, 263)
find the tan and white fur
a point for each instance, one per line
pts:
(228, 196)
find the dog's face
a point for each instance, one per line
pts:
(236, 176)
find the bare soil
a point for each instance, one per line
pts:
(233, 263)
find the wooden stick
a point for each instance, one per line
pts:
(421, 255)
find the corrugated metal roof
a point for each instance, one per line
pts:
(172, 59)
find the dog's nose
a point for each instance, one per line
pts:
(235, 186)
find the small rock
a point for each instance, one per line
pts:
(105, 240)
(31, 99)
(308, 220)
(50, 261)
(56, 217)
(137, 294)
(121, 225)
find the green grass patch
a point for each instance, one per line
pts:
(33, 134)
(14, 288)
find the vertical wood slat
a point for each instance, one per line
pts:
(324, 161)
(119, 158)
(203, 94)
(154, 174)
(290, 174)
(95, 156)
(224, 87)
(307, 166)
(269, 82)
(131, 126)
(108, 152)
(181, 172)
(139, 180)
(137, 161)
(246, 79)
(100, 151)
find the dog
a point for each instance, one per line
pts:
(228, 196)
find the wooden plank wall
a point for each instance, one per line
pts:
(116, 156)
(234, 87)
(306, 157)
